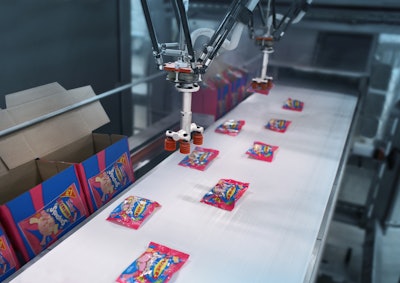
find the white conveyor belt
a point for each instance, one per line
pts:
(270, 235)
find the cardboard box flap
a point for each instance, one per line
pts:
(43, 138)
(32, 94)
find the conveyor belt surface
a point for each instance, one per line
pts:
(268, 237)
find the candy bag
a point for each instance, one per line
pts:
(199, 158)
(262, 151)
(278, 125)
(225, 194)
(133, 211)
(156, 265)
(292, 104)
(230, 127)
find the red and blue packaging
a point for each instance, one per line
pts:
(225, 194)
(156, 265)
(293, 104)
(106, 174)
(223, 94)
(230, 127)
(199, 158)
(133, 211)
(278, 125)
(37, 218)
(8, 260)
(262, 151)
(234, 76)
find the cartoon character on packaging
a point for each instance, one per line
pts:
(218, 191)
(145, 262)
(198, 158)
(127, 207)
(106, 185)
(143, 266)
(46, 225)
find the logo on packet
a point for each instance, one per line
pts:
(112, 179)
(160, 266)
(138, 213)
(46, 225)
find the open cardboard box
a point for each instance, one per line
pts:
(103, 163)
(45, 154)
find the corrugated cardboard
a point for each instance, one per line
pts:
(48, 136)
(40, 216)
(32, 94)
(18, 169)
(44, 168)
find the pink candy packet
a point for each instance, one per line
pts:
(199, 158)
(133, 211)
(278, 125)
(262, 151)
(293, 104)
(156, 265)
(225, 194)
(230, 127)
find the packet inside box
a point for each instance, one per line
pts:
(67, 137)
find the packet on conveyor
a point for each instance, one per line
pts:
(278, 125)
(262, 151)
(293, 104)
(156, 265)
(199, 158)
(133, 211)
(225, 194)
(230, 127)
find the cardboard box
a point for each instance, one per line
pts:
(8, 260)
(51, 135)
(103, 163)
(39, 217)
(32, 158)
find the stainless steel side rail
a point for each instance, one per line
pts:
(77, 105)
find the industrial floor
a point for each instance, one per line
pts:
(343, 254)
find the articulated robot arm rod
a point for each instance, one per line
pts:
(237, 12)
(185, 26)
(153, 37)
(293, 15)
(262, 15)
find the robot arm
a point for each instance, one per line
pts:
(239, 13)
(186, 71)
(275, 26)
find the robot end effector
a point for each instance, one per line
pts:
(275, 25)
